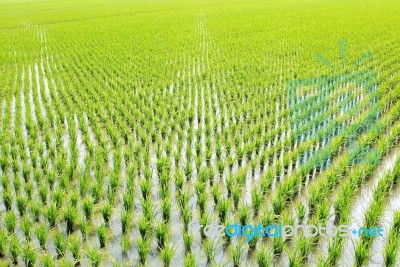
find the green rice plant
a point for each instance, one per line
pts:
(244, 214)
(186, 217)
(361, 254)
(391, 251)
(43, 190)
(145, 187)
(148, 209)
(64, 262)
(21, 204)
(144, 227)
(47, 261)
(125, 221)
(74, 246)
(161, 234)
(128, 200)
(216, 193)
(205, 219)
(278, 245)
(267, 218)
(29, 255)
(14, 250)
(237, 254)
(187, 241)
(143, 250)
(29, 189)
(179, 180)
(256, 199)
(102, 232)
(183, 199)
(303, 247)
(202, 201)
(254, 242)
(210, 249)
(278, 204)
(35, 210)
(106, 213)
(264, 258)
(51, 214)
(87, 206)
(126, 244)
(70, 217)
(7, 199)
(41, 234)
(167, 253)
(83, 227)
(94, 256)
(60, 244)
(17, 184)
(3, 243)
(96, 191)
(10, 221)
(294, 260)
(58, 196)
(223, 209)
(236, 193)
(166, 209)
(335, 249)
(396, 222)
(189, 260)
(25, 225)
(301, 211)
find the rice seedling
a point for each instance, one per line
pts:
(83, 227)
(106, 213)
(74, 246)
(187, 241)
(51, 215)
(167, 253)
(143, 250)
(102, 232)
(256, 198)
(94, 256)
(237, 254)
(223, 209)
(210, 249)
(14, 250)
(10, 221)
(254, 242)
(29, 255)
(244, 214)
(189, 260)
(166, 209)
(47, 261)
(87, 206)
(21, 204)
(26, 227)
(391, 252)
(60, 243)
(161, 234)
(361, 254)
(278, 245)
(70, 217)
(264, 259)
(3, 243)
(126, 244)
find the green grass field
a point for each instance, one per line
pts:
(124, 123)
